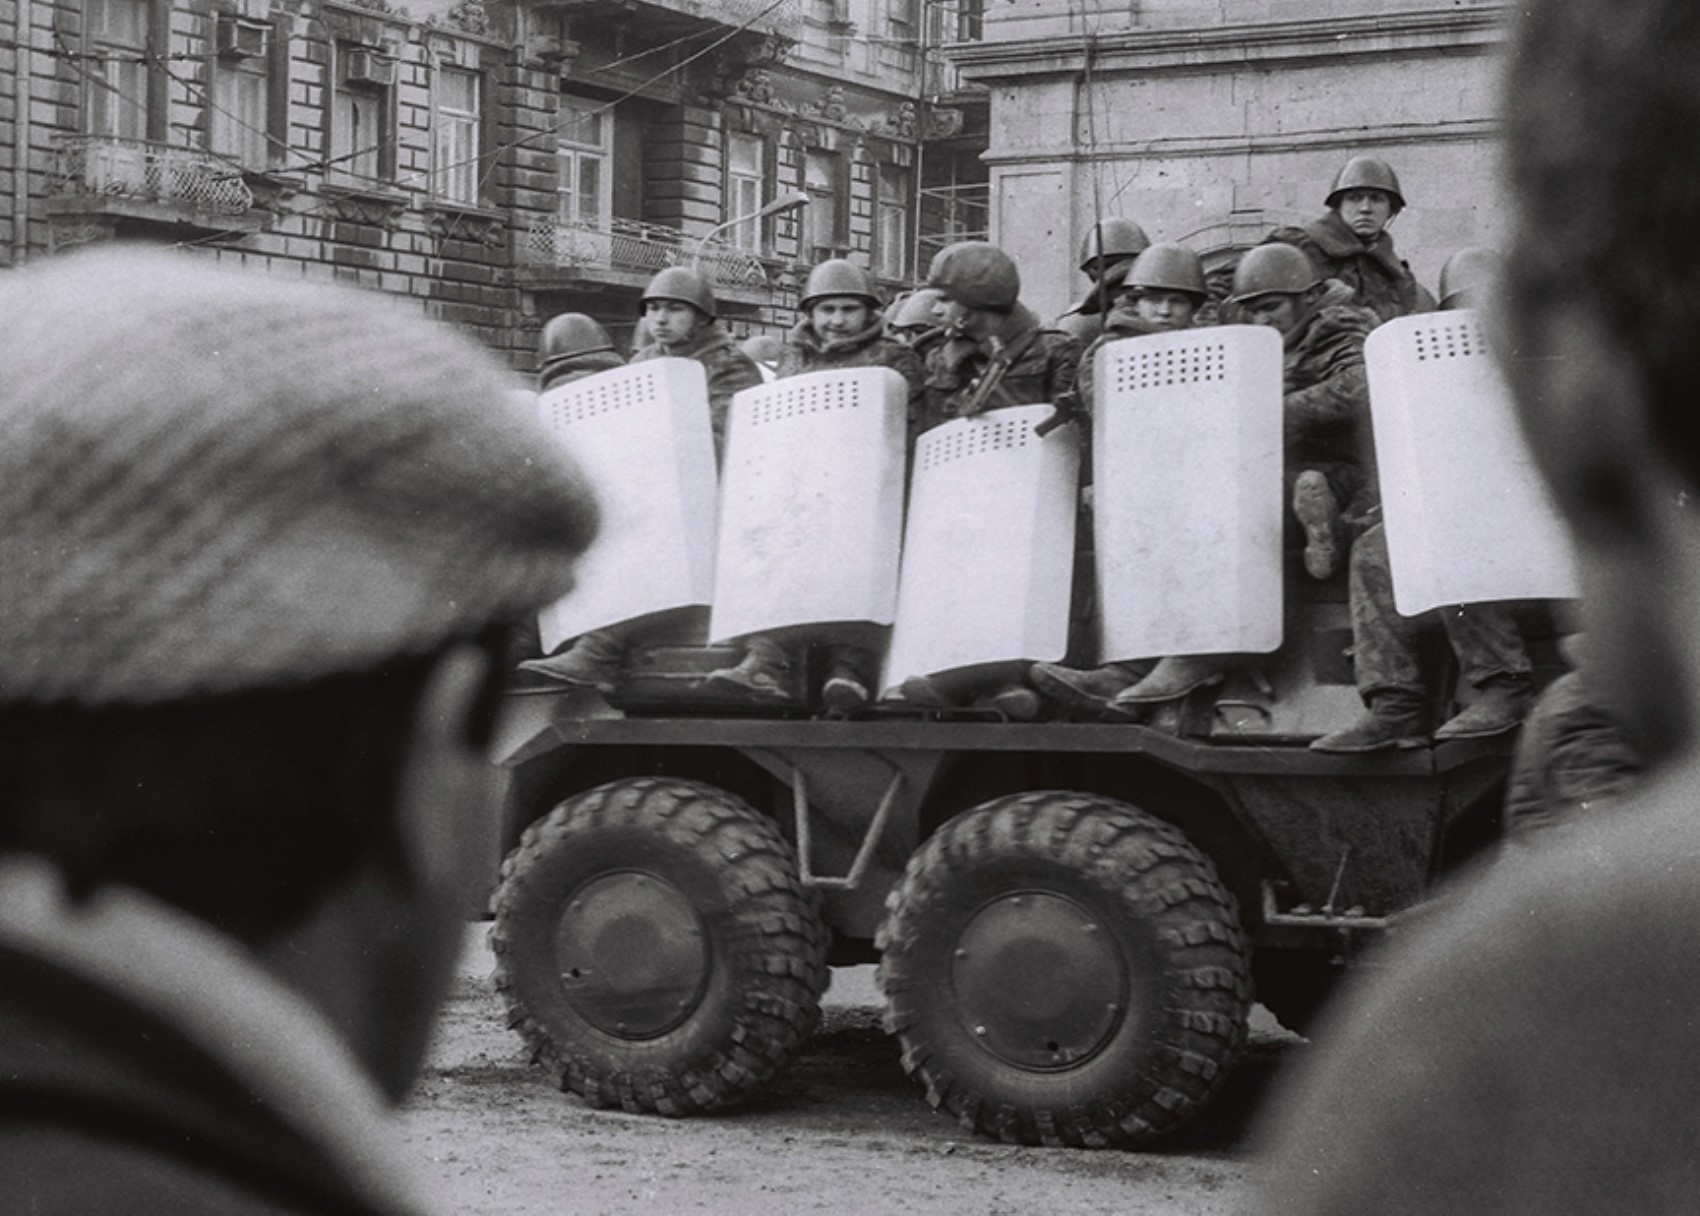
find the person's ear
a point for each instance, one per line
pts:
(445, 813)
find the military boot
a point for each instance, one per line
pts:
(1501, 704)
(592, 661)
(844, 688)
(921, 692)
(759, 675)
(1089, 689)
(1172, 678)
(1393, 719)
(1317, 510)
(1014, 701)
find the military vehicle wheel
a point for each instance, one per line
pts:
(656, 948)
(1064, 969)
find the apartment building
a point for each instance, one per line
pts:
(1213, 121)
(497, 163)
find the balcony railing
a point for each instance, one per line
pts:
(644, 248)
(106, 166)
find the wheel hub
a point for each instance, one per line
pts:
(1038, 981)
(632, 954)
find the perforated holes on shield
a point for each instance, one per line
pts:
(971, 441)
(1166, 368)
(804, 399)
(1450, 341)
(594, 400)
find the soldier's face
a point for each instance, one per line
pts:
(1162, 309)
(839, 316)
(950, 314)
(1366, 212)
(1279, 311)
(672, 322)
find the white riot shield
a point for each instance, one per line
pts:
(811, 504)
(642, 436)
(1186, 492)
(988, 550)
(1468, 518)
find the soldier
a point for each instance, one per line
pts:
(996, 354)
(1351, 243)
(764, 351)
(1105, 256)
(913, 320)
(1163, 291)
(841, 327)
(1484, 637)
(262, 541)
(679, 311)
(572, 347)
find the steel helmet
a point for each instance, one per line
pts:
(1468, 277)
(914, 309)
(682, 286)
(838, 277)
(1274, 268)
(1110, 239)
(976, 274)
(1170, 267)
(570, 335)
(1367, 173)
(763, 348)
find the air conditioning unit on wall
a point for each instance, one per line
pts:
(371, 68)
(238, 39)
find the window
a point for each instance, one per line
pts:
(362, 128)
(901, 17)
(744, 156)
(584, 144)
(455, 144)
(891, 238)
(117, 83)
(821, 177)
(239, 117)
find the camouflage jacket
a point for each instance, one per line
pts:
(1379, 279)
(729, 369)
(1326, 399)
(807, 351)
(1042, 368)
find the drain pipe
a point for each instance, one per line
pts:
(23, 132)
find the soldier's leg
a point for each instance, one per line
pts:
(759, 674)
(1495, 666)
(1384, 645)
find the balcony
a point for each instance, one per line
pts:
(105, 175)
(628, 253)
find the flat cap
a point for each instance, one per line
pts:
(214, 480)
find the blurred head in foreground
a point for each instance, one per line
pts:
(259, 546)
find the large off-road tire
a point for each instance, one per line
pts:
(1064, 969)
(656, 948)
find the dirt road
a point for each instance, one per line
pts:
(844, 1130)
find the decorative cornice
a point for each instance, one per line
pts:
(1206, 49)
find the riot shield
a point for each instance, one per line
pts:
(1468, 518)
(1187, 492)
(988, 549)
(811, 504)
(641, 435)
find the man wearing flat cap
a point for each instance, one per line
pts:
(259, 546)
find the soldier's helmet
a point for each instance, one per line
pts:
(682, 286)
(976, 274)
(1109, 240)
(571, 335)
(838, 277)
(1167, 266)
(1469, 277)
(1272, 269)
(1367, 173)
(914, 309)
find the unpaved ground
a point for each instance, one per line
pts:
(842, 1131)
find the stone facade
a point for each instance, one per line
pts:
(496, 163)
(1212, 122)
